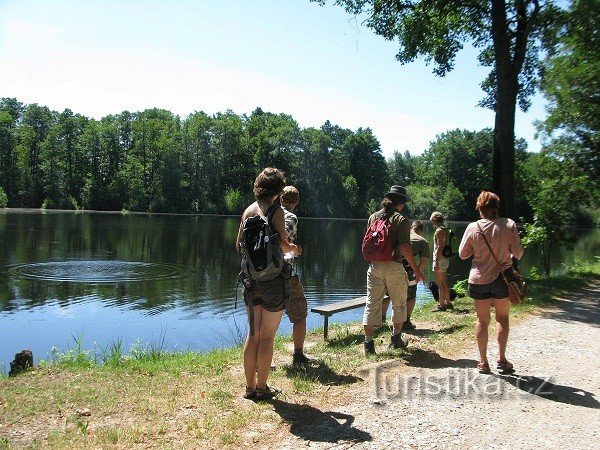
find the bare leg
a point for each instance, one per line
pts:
(268, 328)
(251, 349)
(502, 308)
(410, 306)
(444, 293)
(299, 334)
(369, 330)
(482, 307)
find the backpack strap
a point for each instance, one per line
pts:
(271, 212)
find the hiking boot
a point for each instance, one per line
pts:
(399, 341)
(408, 325)
(369, 348)
(301, 358)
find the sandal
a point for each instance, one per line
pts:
(505, 366)
(250, 393)
(483, 367)
(266, 393)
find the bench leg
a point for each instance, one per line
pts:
(325, 326)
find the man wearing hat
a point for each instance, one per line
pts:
(390, 276)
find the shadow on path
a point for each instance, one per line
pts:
(321, 373)
(312, 424)
(427, 331)
(583, 305)
(548, 390)
(417, 357)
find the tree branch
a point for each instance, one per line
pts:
(524, 26)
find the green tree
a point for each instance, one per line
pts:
(559, 193)
(273, 139)
(402, 168)
(313, 173)
(508, 35)
(234, 162)
(36, 123)
(9, 172)
(3, 199)
(571, 83)
(199, 159)
(364, 170)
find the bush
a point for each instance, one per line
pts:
(3, 198)
(234, 201)
(47, 204)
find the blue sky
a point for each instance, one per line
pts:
(291, 56)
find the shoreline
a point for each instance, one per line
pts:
(194, 399)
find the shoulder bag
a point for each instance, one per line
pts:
(517, 288)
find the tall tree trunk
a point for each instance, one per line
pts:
(504, 150)
(507, 88)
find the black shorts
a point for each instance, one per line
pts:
(412, 292)
(496, 289)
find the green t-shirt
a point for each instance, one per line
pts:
(401, 230)
(419, 245)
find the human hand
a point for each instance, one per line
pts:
(297, 250)
(420, 276)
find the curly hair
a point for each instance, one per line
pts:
(290, 195)
(488, 204)
(437, 217)
(268, 183)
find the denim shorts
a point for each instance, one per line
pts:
(496, 289)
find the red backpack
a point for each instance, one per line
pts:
(378, 243)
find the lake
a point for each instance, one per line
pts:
(168, 280)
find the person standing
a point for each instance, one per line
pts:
(486, 285)
(390, 275)
(440, 262)
(265, 300)
(297, 308)
(420, 248)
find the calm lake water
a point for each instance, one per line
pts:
(167, 280)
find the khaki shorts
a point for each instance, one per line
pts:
(385, 277)
(297, 308)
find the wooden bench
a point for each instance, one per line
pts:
(328, 310)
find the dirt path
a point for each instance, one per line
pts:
(552, 401)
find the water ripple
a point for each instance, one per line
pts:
(96, 271)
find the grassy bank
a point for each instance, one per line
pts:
(150, 398)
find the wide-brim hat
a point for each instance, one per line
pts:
(398, 191)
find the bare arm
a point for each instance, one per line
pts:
(465, 249)
(406, 251)
(423, 263)
(516, 249)
(279, 225)
(441, 240)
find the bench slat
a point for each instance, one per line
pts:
(339, 306)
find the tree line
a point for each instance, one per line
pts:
(155, 161)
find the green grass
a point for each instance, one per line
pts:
(149, 397)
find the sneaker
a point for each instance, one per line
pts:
(399, 341)
(369, 348)
(408, 325)
(301, 358)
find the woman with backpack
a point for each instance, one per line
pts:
(486, 286)
(264, 285)
(440, 262)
